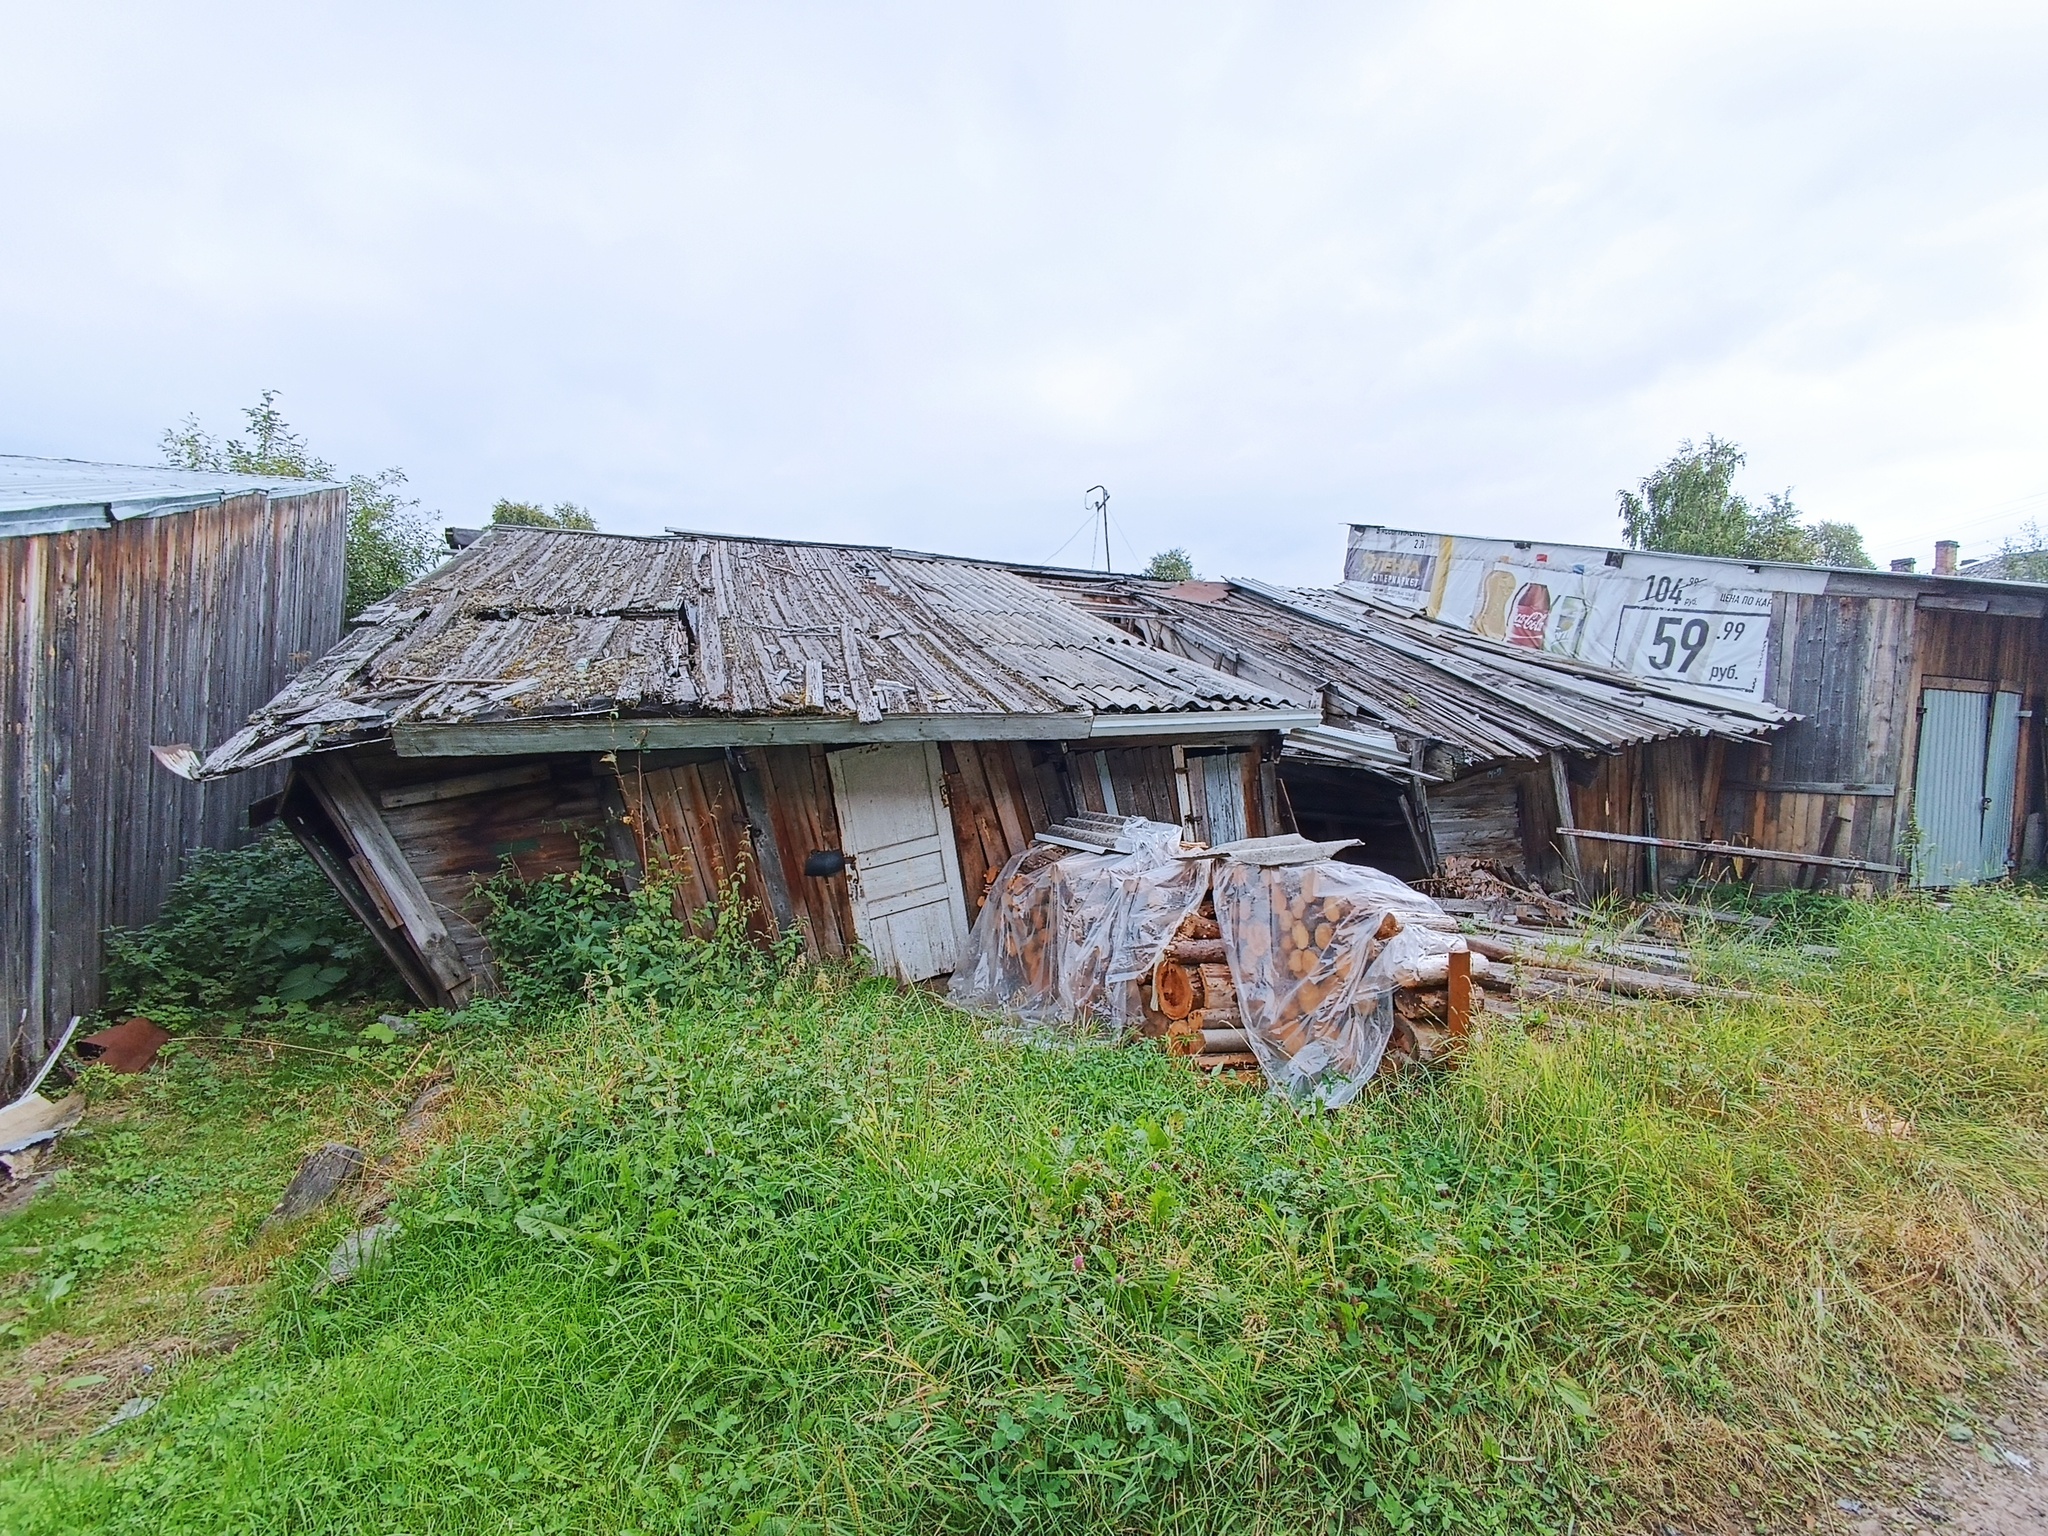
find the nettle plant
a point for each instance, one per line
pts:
(253, 927)
(585, 932)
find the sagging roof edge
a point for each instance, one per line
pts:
(569, 734)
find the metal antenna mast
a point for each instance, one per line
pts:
(1100, 503)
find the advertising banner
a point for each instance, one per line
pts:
(1681, 619)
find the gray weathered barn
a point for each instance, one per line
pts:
(144, 607)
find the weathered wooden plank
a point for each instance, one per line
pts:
(462, 785)
(975, 869)
(1730, 850)
(345, 800)
(766, 865)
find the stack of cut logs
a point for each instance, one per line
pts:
(1195, 1012)
(1196, 1001)
(1030, 943)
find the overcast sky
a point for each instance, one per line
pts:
(922, 275)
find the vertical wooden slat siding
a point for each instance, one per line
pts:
(1030, 785)
(766, 847)
(975, 869)
(800, 793)
(147, 632)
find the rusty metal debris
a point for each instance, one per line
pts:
(130, 1046)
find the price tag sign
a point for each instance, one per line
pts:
(1688, 629)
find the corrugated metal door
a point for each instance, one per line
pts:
(904, 875)
(2001, 773)
(1963, 785)
(1948, 786)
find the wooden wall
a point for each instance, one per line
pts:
(2003, 652)
(1481, 816)
(713, 817)
(1839, 780)
(148, 632)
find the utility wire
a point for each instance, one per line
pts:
(1087, 522)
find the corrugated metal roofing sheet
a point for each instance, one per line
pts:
(531, 624)
(1410, 676)
(56, 495)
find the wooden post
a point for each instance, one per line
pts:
(1561, 787)
(767, 849)
(1460, 977)
(383, 869)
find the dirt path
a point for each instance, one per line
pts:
(1993, 1485)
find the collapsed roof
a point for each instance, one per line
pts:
(541, 639)
(1389, 679)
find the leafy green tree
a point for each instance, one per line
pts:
(1841, 544)
(390, 542)
(1171, 565)
(2025, 558)
(531, 514)
(1690, 506)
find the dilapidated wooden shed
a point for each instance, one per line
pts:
(860, 737)
(144, 606)
(1438, 743)
(1917, 744)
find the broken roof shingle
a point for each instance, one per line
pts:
(1411, 676)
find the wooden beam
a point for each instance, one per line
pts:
(1814, 787)
(458, 788)
(761, 830)
(357, 817)
(603, 734)
(1733, 850)
(1459, 976)
(298, 807)
(1561, 789)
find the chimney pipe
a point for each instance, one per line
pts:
(1945, 557)
(1904, 567)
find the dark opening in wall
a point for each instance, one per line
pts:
(1332, 802)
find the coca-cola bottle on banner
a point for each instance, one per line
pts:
(1531, 616)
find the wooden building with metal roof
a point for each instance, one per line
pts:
(1438, 743)
(143, 605)
(1917, 746)
(860, 737)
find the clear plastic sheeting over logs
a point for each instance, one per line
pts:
(1073, 939)
(1315, 949)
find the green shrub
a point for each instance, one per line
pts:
(242, 925)
(561, 936)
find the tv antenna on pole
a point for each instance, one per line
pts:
(1100, 503)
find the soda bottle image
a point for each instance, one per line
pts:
(1490, 618)
(1531, 616)
(1567, 626)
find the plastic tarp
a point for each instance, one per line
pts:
(1315, 950)
(1073, 939)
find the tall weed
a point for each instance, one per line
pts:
(755, 1246)
(240, 926)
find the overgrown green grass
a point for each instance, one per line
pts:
(781, 1249)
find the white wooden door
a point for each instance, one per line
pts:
(904, 872)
